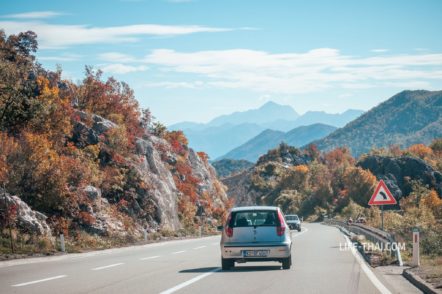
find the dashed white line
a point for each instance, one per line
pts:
(150, 257)
(189, 282)
(178, 252)
(107, 266)
(39, 281)
(199, 247)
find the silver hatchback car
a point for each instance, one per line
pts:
(255, 233)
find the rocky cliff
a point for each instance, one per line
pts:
(144, 190)
(399, 172)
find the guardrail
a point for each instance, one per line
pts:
(372, 234)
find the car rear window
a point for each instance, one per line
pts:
(254, 218)
(291, 217)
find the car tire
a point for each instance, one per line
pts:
(227, 264)
(299, 229)
(287, 262)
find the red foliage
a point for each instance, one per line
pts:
(204, 157)
(86, 218)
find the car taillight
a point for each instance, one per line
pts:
(280, 229)
(229, 230)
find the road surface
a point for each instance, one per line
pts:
(193, 266)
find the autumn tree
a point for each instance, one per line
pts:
(420, 150)
(360, 185)
(110, 99)
(17, 80)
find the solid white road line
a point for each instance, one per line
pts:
(178, 252)
(371, 276)
(189, 282)
(150, 257)
(196, 248)
(39, 281)
(107, 266)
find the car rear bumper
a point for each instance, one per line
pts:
(275, 252)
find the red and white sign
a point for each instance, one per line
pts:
(382, 196)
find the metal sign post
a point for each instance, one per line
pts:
(382, 217)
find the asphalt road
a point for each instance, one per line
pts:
(193, 266)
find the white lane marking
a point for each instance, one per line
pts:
(189, 282)
(107, 266)
(178, 252)
(199, 247)
(371, 276)
(150, 257)
(39, 281)
(302, 232)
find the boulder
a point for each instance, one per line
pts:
(102, 125)
(83, 136)
(27, 220)
(398, 172)
(92, 193)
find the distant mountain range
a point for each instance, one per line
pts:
(227, 132)
(407, 118)
(269, 139)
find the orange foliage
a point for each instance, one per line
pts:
(86, 218)
(360, 184)
(301, 169)
(433, 202)
(204, 157)
(178, 141)
(110, 99)
(420, 150)
(339, 156)
(53, 119)
(8, 147)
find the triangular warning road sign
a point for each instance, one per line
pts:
(382, 196)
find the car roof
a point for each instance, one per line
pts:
(250, 208)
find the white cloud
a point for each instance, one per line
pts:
(34, 15)
(380, 50)
(175, 85)
(119, 68)
(60, 36)
(66, 57)
(294, 73)
(116, 57)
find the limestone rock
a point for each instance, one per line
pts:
(28, 220)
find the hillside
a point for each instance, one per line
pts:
(229, 167)
(310, 182)
(84, 160)
(335, 119)
(408, 118)
(269, 139)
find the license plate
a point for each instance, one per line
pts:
(255, 253)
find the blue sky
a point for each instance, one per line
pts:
(191, 60)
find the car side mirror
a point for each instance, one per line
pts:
(219, 228)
